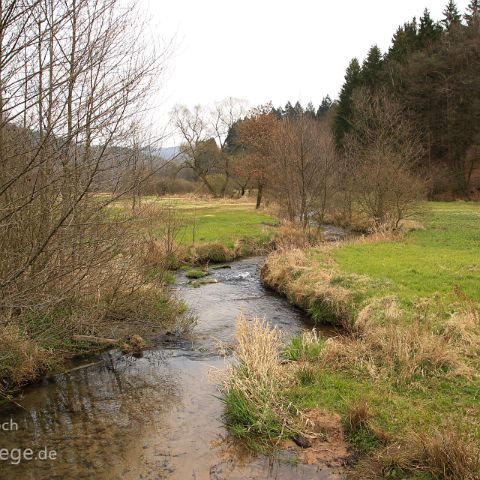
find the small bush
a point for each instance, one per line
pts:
(212, 252)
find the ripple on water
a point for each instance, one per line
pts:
(155, 417)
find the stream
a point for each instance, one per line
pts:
(155, 417)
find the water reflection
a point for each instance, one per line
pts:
(154, 417)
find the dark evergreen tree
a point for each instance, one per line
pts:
(278, 112)
(451, 15)
(289, 111)
(324, 107)
(473, 12)
(372, 68)
(310, 110)
(232, 144)
(298, 109)
(344, 110)
(429, 31)
(404, 41)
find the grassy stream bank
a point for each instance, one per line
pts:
(404, 377)
(164, 234)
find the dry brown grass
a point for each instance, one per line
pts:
(399, 351)
(211, 252)
(155, 253)
(444, 453)
(289, 236)
(292, 273)
(380, 339)
(254, 384)
(358, 415)
(21, 360)
(463, 327)
(257, 365)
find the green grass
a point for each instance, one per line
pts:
(438, 259)
(224, 221)
(296, 350)
(251, 423)
(226, 224)
(441, 260)
(394, 408)
(214, 230)
(194, 273)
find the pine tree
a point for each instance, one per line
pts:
(429, 31)
(372, 67)
(345, 110)
(288, 111)
(324, 107)
(310, 110)
(473, 12)
(451, 15)
(298, 109)
(404, 41)
(278, 112)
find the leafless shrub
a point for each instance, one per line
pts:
(381, 152)
(73, 79)
(303, 160)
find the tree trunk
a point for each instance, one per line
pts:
(224, 187)
(208, 185)
(259, 196)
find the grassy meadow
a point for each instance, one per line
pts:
(439, 257)
(202, 231)
(404, 374)
(226, 222)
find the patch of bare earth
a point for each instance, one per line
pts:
(328, 449)
(330, 446)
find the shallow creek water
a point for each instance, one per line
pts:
(155, 417)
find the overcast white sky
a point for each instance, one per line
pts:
(277, 50)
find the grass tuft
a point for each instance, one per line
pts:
(255, 406)
(195, 273)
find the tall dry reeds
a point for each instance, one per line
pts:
(256, 408)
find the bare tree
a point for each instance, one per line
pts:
(198, 127)
(255, 137)
(193, 128)
(303, 159)
(74, 75)
(224, 115)
(381, 153)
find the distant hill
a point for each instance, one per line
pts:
(167, 153)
